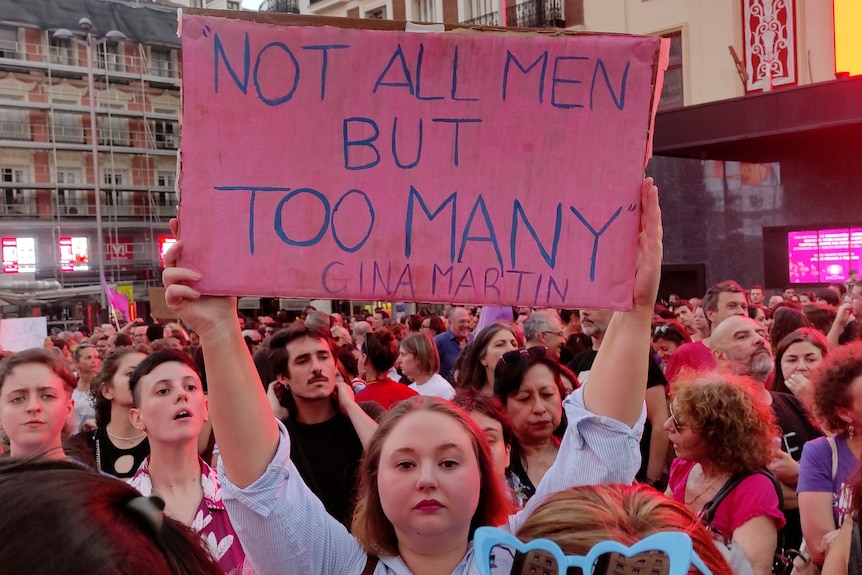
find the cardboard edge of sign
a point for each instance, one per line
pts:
(660, 60)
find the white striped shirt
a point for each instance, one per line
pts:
(285, 529)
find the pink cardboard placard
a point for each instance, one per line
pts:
(483, 167)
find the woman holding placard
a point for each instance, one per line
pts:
(434, 461)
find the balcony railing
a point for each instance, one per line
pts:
(536, 14)
(21, 208)
(492, 19)
(14, 131)
(284, 6)
(62, 55)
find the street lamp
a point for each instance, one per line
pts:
(91, 41)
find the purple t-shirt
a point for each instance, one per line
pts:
(815, 473)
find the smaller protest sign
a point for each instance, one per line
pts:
(18, 334)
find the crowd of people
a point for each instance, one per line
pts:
(480, 440)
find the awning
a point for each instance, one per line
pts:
(765, 127)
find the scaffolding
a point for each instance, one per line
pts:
(45, 140)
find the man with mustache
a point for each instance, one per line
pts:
(740, 345)
(328, 428)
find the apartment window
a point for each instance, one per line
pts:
(232, 5)
(165, 180)
(113, 178)
(66, 128)
(120, 203)
(14, 124)
(672, 90)
(426, 10)
(9, 42)
(166, 134)
(162, 62)
(61, 51)
(72, 202)
(108, 57)
(377, 13)
(113, 131)
(16, 200)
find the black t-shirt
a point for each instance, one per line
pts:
(95, 449)
(796, 429)
(583, 362)
(327, 456)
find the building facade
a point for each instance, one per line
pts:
(48, 207)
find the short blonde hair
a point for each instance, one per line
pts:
(579, 518)
(425, 350)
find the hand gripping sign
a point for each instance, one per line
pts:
(326, 158)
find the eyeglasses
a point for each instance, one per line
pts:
(676, 424)
(499, 552)
(514, 356)
(559, 334)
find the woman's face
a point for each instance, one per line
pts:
(409, 364)
(686, 442)
(664, 348)
(699, 322)
(494, 434)
(503, 341)
(800, 357)
(429, 480)
(118, 391)
(88, 361)
(536, 408)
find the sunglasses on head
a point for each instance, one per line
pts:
(514, 356)
(660, 329)
(498, 552)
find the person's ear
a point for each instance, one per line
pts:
(107, 392)
(136, 420)
(282, 380)
(206, 409)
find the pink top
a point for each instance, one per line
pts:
(753, 497)
(211, 520)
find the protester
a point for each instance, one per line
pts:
(61, 518)
(424, 518)
(116, 447)
(170, 406)
(420, 364)
(328, 428)
(480, 358)
(666, 339)
(35, 402)
(528, 384)
(796, 357)
(545, 329)
(829, 466)
(578, 519)
(721, 428)
(379, 353)
(451, 342)
(87, 364)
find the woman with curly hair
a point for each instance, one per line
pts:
(828, 468)
(721, 427)
(479, 359)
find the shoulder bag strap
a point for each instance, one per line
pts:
(834, 447)
(707, 514)
(370, 564)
